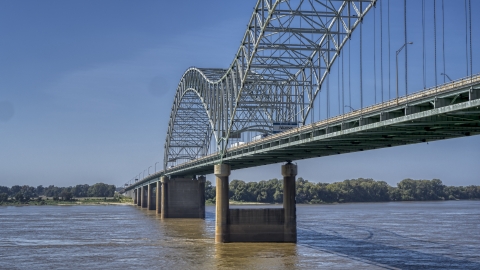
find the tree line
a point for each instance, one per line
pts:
(354, 190)
(25, 193)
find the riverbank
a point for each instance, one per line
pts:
(75, 201)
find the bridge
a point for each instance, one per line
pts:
(261, 110)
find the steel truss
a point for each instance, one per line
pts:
(285, 55)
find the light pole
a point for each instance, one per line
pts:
(396, 62)
(144, 173)
(149, 170)
(444, 74)
(351, 108)
(156, 166)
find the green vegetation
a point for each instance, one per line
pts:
(355, 190)
(52, 195)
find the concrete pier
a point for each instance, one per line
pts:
(201, 196)
(151, 197)
(144, 196)
(289, 172)
(158, 202)
(134, 197)
(164, 197)
(255, 225)
(221, 171)
(139, 197)
(185, 198)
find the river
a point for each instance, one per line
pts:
(396, 235)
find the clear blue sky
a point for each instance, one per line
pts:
(86, 89)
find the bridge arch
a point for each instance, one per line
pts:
(284, 57)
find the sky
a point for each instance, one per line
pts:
(86, 89)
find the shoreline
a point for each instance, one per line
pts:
(82, 202)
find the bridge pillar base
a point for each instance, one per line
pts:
(183, 198)
(256, 225)
(134, 197)
(143, 195)
(150, 197)
(289, 172)
(139, 197)
(158, 201)
(164, 197)
(221, 171)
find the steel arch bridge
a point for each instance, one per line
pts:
(285, 55)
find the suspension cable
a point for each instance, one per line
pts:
(435, 41)
(471, 53)
(338, 86)
(361, 71)
(374, 53)
(424, 59)
(443, 41)
(389, 52)
(406, 47)
(381, 48)
(328, 96)
(466, 36)
(343, 90)
(349, 75)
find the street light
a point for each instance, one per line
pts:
(156, 166)
(351, 108)
(144, 173)
(396, 61)
(444, 74)
(149, 170)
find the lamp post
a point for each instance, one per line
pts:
(396, 62)
(351, 108)
(444, 74)
(156, 166)
(149, 170)
(144, 173)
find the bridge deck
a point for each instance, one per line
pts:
(447, 111)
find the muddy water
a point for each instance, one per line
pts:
(426, 235)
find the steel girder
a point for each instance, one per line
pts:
(284, 57)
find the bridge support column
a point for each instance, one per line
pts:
(134, 196)
(201, 196)
(144, 196)
(139, 197)
(222, 171)
(289, 172)
(256, 225)
(158, 203)
(150, 197)
(164, 197)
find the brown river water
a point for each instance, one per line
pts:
(405, 235)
